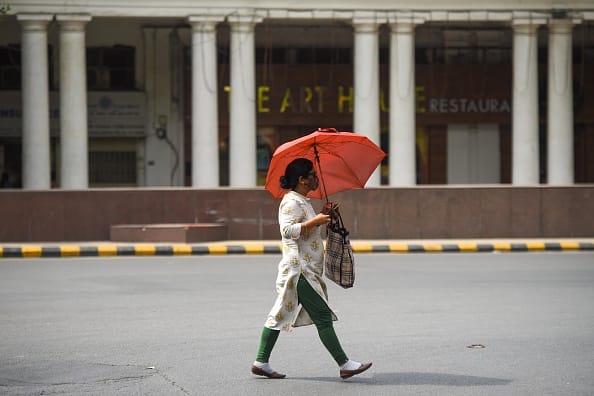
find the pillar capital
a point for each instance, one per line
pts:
(367, 21)
(365, 27)
(74, 22)
(205, 23)
(527, 22)
(34, 22)
(563, 25)
(244, 20)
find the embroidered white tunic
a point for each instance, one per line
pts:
(302, 255)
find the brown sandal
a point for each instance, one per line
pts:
(344, 374)
(273, 375)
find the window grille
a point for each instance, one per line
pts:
(112, 167)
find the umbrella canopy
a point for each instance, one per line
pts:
(343, 161)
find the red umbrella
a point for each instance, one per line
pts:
(343, 161)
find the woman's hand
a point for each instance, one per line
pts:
(321, 218)
(331, 208)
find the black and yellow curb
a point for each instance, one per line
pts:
(222, 248)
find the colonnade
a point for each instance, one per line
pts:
(242, 135)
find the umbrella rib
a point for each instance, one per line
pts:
(346, 166)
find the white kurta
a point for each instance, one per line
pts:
(302, 255)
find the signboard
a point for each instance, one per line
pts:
(110, 114)
(117, 114)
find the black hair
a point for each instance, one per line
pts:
(296, 168)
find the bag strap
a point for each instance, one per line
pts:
(336, 224)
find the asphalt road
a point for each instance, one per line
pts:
(190, 325)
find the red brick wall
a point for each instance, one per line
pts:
(375, 213)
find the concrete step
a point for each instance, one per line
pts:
(176, 232)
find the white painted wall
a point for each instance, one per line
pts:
(163, 155)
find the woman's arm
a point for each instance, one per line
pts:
(289, 214)
(292, 221)
(319, 219)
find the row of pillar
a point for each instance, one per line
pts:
(560, 151)
(242, 138)
(73, 102)
(402, 151)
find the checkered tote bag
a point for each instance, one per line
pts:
(339, 262)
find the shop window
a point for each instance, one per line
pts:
(112, 168)
(300, 56)
(111, 68)
(329, 56)
(271, 55)
(475, 55)
(10, 67)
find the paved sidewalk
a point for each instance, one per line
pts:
(107, 248)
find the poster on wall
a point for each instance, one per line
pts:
(117, 114)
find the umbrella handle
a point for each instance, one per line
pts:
(330, 130)
(315, 146)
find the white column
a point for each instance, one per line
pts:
(74, 162)
(402, 152)
(35, 96)
(525, 159)
(205, 121)
(366, 118)
(560, 158)
(242, 133)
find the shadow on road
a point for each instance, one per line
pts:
(416, 378)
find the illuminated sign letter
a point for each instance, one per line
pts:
(345, 98)
(286, 103)
(263, 96)
(420, 99)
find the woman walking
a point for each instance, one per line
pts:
(302, 297)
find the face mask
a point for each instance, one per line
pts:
(315, 183)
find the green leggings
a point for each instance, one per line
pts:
(322, 317)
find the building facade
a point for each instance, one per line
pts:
(200, 93)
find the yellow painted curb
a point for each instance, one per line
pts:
(254, 249)
(535, 245)
(107, 250)
(569, 245)
(144, 250)
(362, 247)
(182, 249)
(468, 247)
(398, 247)
(430, 247)
(69, 250)
(502, 247)
(217, 249)
(31, 251)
